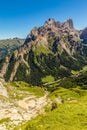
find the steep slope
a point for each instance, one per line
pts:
(50, 51)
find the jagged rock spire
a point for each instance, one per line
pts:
(50, 21)
(68, 23)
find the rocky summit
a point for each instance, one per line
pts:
(52, 50)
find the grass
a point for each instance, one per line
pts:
(3, 98)
(4, 120)
(42, 49)
(64, 93)
(48, 79)
(65, 117)
(20, 90)
(69, 115)
(84, 69)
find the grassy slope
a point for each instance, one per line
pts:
(48, 79)
(70, 115)
(20, 90)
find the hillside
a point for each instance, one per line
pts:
(68, 112)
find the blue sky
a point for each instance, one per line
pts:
(18, 17)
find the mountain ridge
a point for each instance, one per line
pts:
(53, 49)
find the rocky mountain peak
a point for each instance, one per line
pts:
(46, 48)
(68, 23)
(50, 28)
(50, 21)
(34, 31)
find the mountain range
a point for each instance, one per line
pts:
(52, 50)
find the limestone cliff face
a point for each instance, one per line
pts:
(53, 49)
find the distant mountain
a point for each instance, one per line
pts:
(49, 52)
(9, 45)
